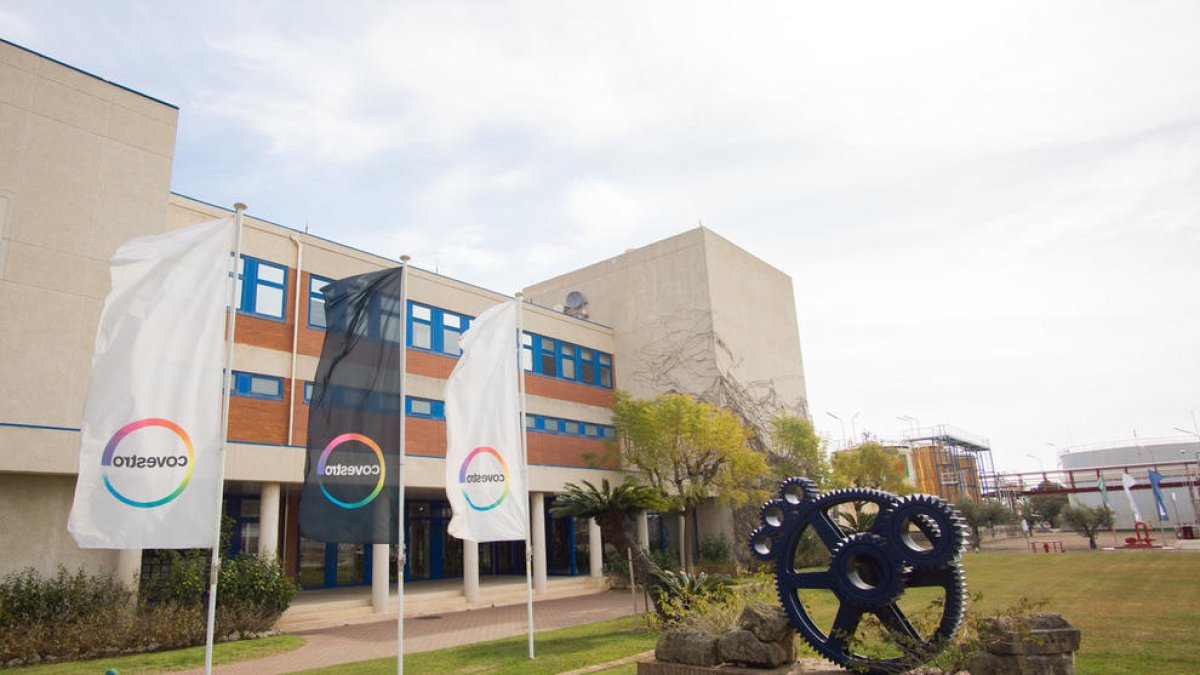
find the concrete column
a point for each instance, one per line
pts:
(268, 520)
(682, 542)
(595, 550)
(471, 570)
(129, 568)
(537, 512)
(380, 562)
(643, 530)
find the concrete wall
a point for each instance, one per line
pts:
(33, 527)
(689, 309)
(84, 166)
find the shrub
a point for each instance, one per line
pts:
(64, 616)
(718, 613)
(74, 616)
(252, 594)
(679, 592)
(714, 549)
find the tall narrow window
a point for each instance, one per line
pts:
(316, 301)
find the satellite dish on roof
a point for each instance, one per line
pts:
(576, 305)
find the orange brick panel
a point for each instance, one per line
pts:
(568, 451)
(549, 387)
(255, 420)
(425, 437)
(430, 365)
(300, 426)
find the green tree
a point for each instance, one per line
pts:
(797, 450)
(1087, 520)
(982, 513)
(610, 506)
(870, 465)
(688, 450)
(1049, 505)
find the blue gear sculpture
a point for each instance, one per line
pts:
(868, 571)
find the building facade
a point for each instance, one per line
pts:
(85, 165)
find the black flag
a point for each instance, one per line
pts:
(350, 479)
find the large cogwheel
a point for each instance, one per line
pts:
(868, 571)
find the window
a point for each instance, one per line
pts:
(316, 301)
(557, 358)
(554, 425)
(308, 391)
(427, 408)
(253, 385)
(436, 330)
(261, 288)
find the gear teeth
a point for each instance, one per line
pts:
(798, 490)
(762, 544)
(774, 513)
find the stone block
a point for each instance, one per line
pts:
(744, 648)
(768, 624)
(692, 648)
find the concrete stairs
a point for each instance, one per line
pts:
(343, 606)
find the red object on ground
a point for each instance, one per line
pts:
(1047, 546)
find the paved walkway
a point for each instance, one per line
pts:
(377, 639)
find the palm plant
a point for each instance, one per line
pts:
(609, 506)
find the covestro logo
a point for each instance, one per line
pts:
(483, 479)
(353, 467)
(148, 463)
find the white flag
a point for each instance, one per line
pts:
(150, 439)
(485, 478)
(1128, 482)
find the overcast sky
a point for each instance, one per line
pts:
(991, 215)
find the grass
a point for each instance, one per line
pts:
(1137, 610)
(179, 659)
(557, 651)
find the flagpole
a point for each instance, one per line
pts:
(525, 469)
(231, 317)
(400, 554)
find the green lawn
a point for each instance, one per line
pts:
(1139, 611)
(179, 659)
(557, 651)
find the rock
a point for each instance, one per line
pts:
(696, 649)
(744, 648)
(766, 622)
(1038, 644)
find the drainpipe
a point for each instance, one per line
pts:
(295, 338)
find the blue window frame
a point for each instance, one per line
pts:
(316, 301)
(261, 288)
(308, 392)
(434, 329)
(566, 361)
(554, 425)
(253, 385)
(425, 408)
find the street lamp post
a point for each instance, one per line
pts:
(841, 423)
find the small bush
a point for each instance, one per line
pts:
(714, 549)
(74, 616)
(64, 616)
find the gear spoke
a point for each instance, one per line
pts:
(815, 580)
(845, 624)
(894, 620)
(831, 535)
